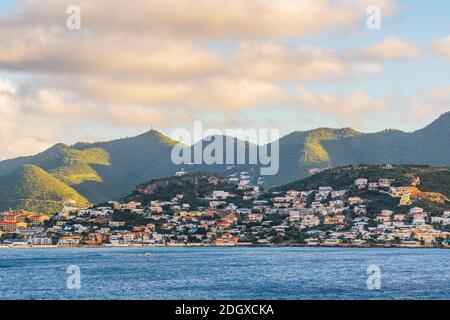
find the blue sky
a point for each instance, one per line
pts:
(6, 5)
(125, 70)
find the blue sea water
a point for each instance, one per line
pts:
(224, 273)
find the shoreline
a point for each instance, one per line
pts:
(224, 246)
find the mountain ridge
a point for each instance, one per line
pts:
(108, 170)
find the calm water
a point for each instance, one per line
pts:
(224, 273)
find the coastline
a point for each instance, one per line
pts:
(225, 246)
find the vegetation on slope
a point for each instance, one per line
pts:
(105, 170)
(132, 161)
(75, 168)
(302, 151)
(436, 181)
(194, 187)
(314, 152)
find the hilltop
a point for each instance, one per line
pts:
(430, 186)
(194, 187)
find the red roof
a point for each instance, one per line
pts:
(8, 222)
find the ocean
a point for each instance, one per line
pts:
(224, 273)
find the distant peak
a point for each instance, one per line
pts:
(441, 124)
(332, 134)
(328, 130)
(60, 146)
(157, 135)
(153, 132)
(55, 149)
(445, 115)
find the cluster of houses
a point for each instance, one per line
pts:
(24, 228)
(319, 217)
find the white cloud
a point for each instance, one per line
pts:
(349, 109)
(57, 104)
(6, 87)
(234, 94)
(204, 19)
(161, 62)
(19, 132)
(118, 55)
(274, 62)
(391, 48)
(429, 104)
(33, 121)
(442, 47)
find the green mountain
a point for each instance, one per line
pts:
(299, 153)
(103, 171)
(131, 161)
(110, 170)
(430, 145)
(31, 188)
(303, 151)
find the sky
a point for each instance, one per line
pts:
(285, 64)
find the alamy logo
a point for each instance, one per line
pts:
(73, 21)
(373, 21)
(374, 277)
(74, 277)
(213, 146)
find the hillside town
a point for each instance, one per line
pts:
(317, 217)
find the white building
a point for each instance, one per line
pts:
(40, 241)
(361, 183)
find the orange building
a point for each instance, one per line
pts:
(338, 219)
(21, 217)
(9, 217)
(38, 219)
(8, 226)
